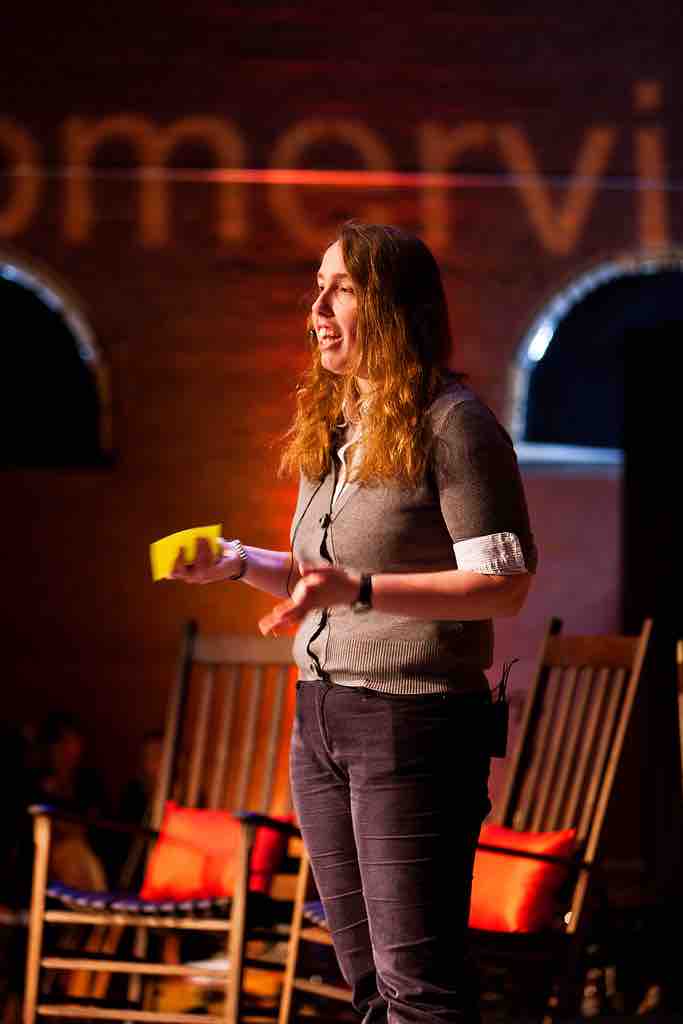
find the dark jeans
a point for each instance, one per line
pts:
(390, 793)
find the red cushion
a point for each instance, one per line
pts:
(513, 894)
(194, 856)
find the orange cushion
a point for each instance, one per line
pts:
(194, 856)
(513, 894)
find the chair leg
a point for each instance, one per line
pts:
(294, 938)
(238, 922)
(80, 983)
(110, 944)
(140, 943)
(41, 840)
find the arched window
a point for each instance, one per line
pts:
(55, 405)
(568, 401)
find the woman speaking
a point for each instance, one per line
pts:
(410, 535)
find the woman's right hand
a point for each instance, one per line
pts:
(207, 567)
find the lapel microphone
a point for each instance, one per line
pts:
(325, 520)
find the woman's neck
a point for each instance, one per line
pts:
(353, 408)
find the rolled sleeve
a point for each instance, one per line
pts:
(499, 553)
(481, 494)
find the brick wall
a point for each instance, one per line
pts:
(195, 289)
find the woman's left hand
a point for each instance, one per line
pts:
(319, 587)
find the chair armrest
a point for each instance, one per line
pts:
(252, 818)
(90, 820)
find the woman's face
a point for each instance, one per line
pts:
(335, 314)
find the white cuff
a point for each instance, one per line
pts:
(498, 553)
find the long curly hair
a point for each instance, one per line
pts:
(404, 340)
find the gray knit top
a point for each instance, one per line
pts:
(472, 499)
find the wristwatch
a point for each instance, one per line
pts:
(363, 602)
(239, 548)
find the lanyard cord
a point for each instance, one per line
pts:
(501, 689)
(294, 533)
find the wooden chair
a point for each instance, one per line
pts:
(227, 722)
(560, 776)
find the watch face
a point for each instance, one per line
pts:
(363, 602)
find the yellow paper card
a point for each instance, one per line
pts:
(164, 552)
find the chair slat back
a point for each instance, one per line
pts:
(227, 725)
(200, 738)
(574, 723)
(274, 735)
(227, 715)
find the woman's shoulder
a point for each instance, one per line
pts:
(455, 394)
(460, 417)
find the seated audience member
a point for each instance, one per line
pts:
(135, 807)
(66, 780)
(138, 793)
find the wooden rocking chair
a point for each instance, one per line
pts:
(228, 718)
(560, 777)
